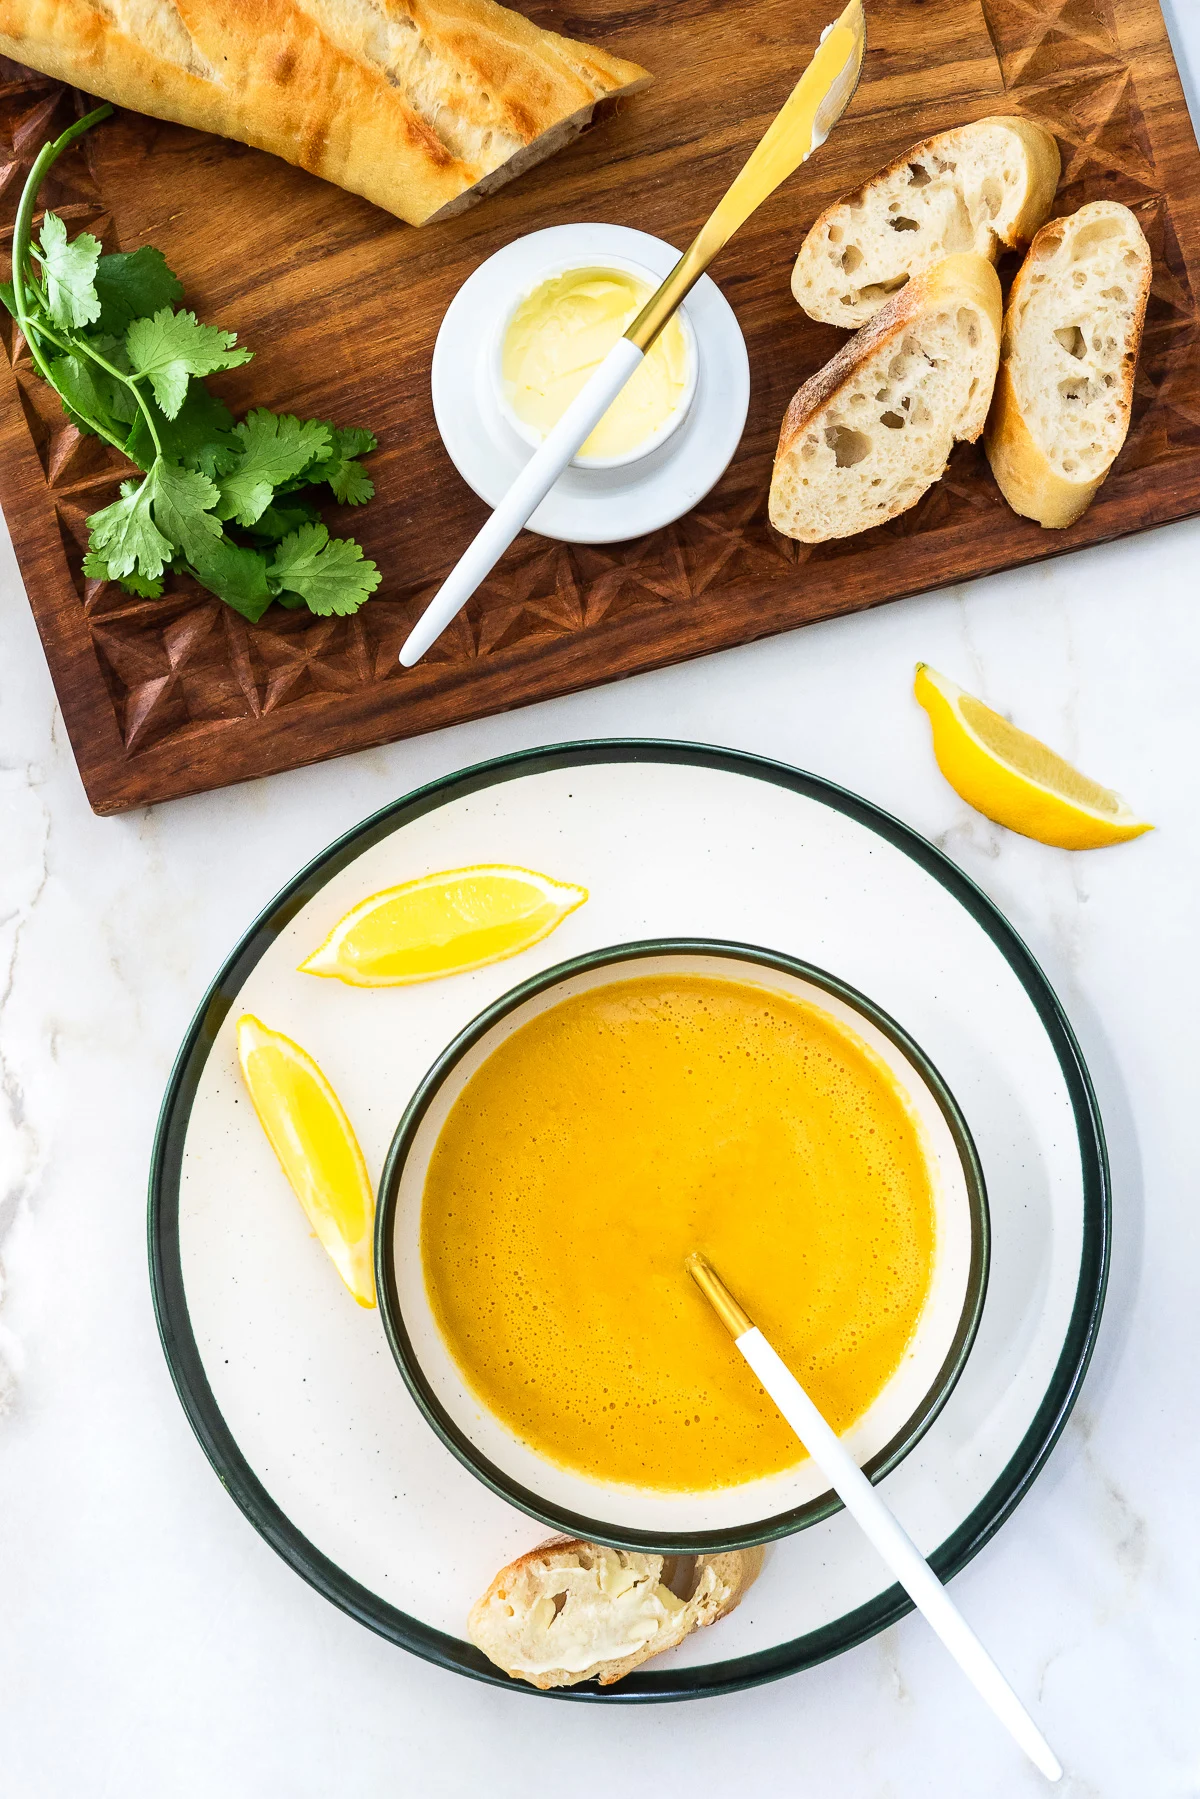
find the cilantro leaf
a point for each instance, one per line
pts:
(70, 271)
(171, 346)
(274, 449)
(113, 350)
(182, 502)
(127, 536)
(87, 389)
(119, 396)
(96, 569)
(353, 441)
(215, 459)
(132, 284)
(351, 484)
(77, 389)
(330, 574)
(235, 574)
(200, 435)
(278, 521)
(145, 590)
(126, 363)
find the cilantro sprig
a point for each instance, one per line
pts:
(232, 504)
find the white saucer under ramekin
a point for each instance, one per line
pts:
(588, 505)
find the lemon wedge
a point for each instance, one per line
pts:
(1012, 778)
(443, 924)
(316, 1146)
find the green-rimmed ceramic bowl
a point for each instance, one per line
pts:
(755, 1511)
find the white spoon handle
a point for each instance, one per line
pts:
(524, 496)
(896, 1547)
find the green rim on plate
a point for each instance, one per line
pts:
(593, 1530)
(216, 1438)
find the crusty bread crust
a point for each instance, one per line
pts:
(505, 1622)
(956, 274)
(1022, 473)
(1025, 474)
(419, 105)
(962, 280)
(856, 218)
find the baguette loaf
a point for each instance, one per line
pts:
(978, 188)
(1068, 355)
(420, 105)
(571, 1611)
(872, 430)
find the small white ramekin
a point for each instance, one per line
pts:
(526, 432)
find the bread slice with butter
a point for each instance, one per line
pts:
(1068, 355)
(420, 105)
(571, 1611)
(979, 188)
(873, 430)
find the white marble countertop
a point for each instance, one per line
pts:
(152, 1647)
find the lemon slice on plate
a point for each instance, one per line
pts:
(1012, 778)
(316, 1146)
(443, 924)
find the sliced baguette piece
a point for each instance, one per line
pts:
(571, 1611)
(980, 187)
(420, 105)
(1068, 354)
(873, 430)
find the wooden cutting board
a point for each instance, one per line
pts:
(341, 304)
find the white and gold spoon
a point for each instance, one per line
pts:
(877, 1522)
(805, 120)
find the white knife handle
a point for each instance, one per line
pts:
(523, 497)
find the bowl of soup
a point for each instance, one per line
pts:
(588, 1131)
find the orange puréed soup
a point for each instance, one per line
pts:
(608, 1138)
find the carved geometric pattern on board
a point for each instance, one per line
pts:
(1036, 38)
(1101, 129)
(557, 589)
(178, 669)
(536, 595)
(32, 109)
(305, 657)
(1166, 409)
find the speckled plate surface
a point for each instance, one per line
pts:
(291, 1388)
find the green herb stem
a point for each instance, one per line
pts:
(23, 232)
(79, 348)
(23, 248)
(169, 518)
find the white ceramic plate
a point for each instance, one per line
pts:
(291, 1388)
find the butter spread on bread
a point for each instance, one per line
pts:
(979, 188)
(869, 433)
(571, 1611)
(420, 107)
(1068, 355)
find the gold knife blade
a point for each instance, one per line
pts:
(801, 125)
